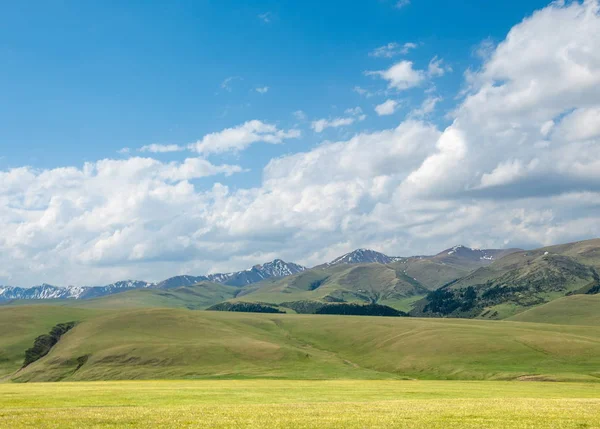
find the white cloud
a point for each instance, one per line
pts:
(388, 107)
(437, 68)
(91, 219)
(581, 124)
(355, 111)
(240, 137)
(484, 49)
(401, 75)
(366, 93)
(321, 124)
(356, 116)
(393, 49)
(193, 168)
(161, 148)
(262, 89)
(124, 151)
(506, 172)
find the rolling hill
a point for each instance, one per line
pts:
(183, 344)
(519, 281)
(570, 310)
(195, 297)
(367, 283)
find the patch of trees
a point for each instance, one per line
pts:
(447, 301)
(354, 309)
(594, 290)
(303, 307)
(497, 291)
(246, 307)
(44, 343)
(317, 283)
(343, 308)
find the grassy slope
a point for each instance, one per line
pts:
(20, 325)
(351, 283)
(570, 310)
(166, 343)
(301, 404)
(433, 274)
(199, 296)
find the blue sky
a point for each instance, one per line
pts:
(148, 139)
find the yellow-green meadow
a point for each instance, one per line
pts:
(300, 404)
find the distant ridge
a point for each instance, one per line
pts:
(274, 269)
(46, 291)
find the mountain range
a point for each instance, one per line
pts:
(276, 268)
(457, 260)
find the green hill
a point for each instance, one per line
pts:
(196, 297)
(518, 282)
(360, 283)
(180, 344)
(570, 310)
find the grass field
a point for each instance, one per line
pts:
(300, 404)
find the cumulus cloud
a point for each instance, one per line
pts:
(388, 107)
(401, 75)
(240, 137)
(262, 89)
(93, 217)
(519, 165)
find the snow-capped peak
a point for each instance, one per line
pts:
(363, 256)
